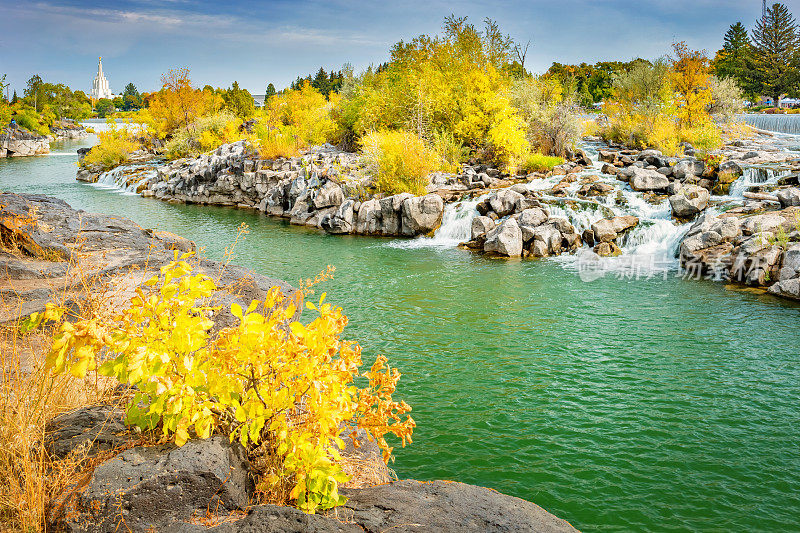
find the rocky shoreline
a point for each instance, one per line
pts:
(19, 142)
(206, 485)
(515, 216)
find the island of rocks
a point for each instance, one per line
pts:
(205, 485)
(514, 215)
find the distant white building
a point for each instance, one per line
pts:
(100, 88)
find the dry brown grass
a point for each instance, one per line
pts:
(30, 397)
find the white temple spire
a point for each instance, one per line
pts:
(100, 87)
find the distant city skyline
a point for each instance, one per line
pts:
(256, 43)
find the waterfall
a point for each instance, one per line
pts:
(456, 228)
(753, 177)
(782, 123)
(126, 179)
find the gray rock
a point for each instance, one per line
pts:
(789, 197)
(422, 214)
(550, 236)
(406, 507)
(529, 219)
(369, 218)
(761, 223)
(481, 225)
(688, 167)
(647, 180)
(731, 167)
(342, 221)
(608, 229)
(148, 488)
(689, 201)
(329, 195)
(504, 202)
(86, 432)
(506, 239)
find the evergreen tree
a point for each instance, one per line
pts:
(735, 58)
(131, 98)
(15, 98)
(776, 53)
(270, 92)
(240, 101)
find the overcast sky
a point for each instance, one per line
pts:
(257, 42)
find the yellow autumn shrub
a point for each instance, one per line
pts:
(113, 149)
(281, 388)
(400, 161)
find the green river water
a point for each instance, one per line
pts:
(619, 404)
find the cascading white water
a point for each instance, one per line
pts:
(456, 228)
(754, 176)
(782, 123)
(120, 179)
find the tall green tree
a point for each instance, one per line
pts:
(270, 92)
(239, 100)
(33, 91)
(776, 53)
(736, 57)
(131, 99)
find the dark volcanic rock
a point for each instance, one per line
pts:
(87, 432)
(149, 488)
(54, 235)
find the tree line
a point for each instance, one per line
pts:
(766, 61)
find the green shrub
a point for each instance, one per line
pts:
(540, 163)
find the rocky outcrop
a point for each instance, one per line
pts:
(515, 223)
(754, 249)
(207, 482)
(44, 237)
(19, 142)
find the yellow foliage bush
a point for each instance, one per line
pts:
(400, 161)
(114, 147)
(177, 105)
(204, 134)
(281, 388)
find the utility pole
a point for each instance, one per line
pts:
(763, 10)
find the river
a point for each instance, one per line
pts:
(660, 404)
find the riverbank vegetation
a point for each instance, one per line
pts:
(43, 105)
(289, 391)
(671, 101)
(463, 96)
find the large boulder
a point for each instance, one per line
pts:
(404, 507)
(481, 225)
(529, 219)
(789, 197)
(688, 167)
(391, 207)
(342, 220)
(642, 179)
(550, 237)
(608, 229)
(149, 488)
(369, 218)
(505, 201)
(506, 239)
(689, 201)
(422, 214)
(86, 432)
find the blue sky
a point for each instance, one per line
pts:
(274, 41)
